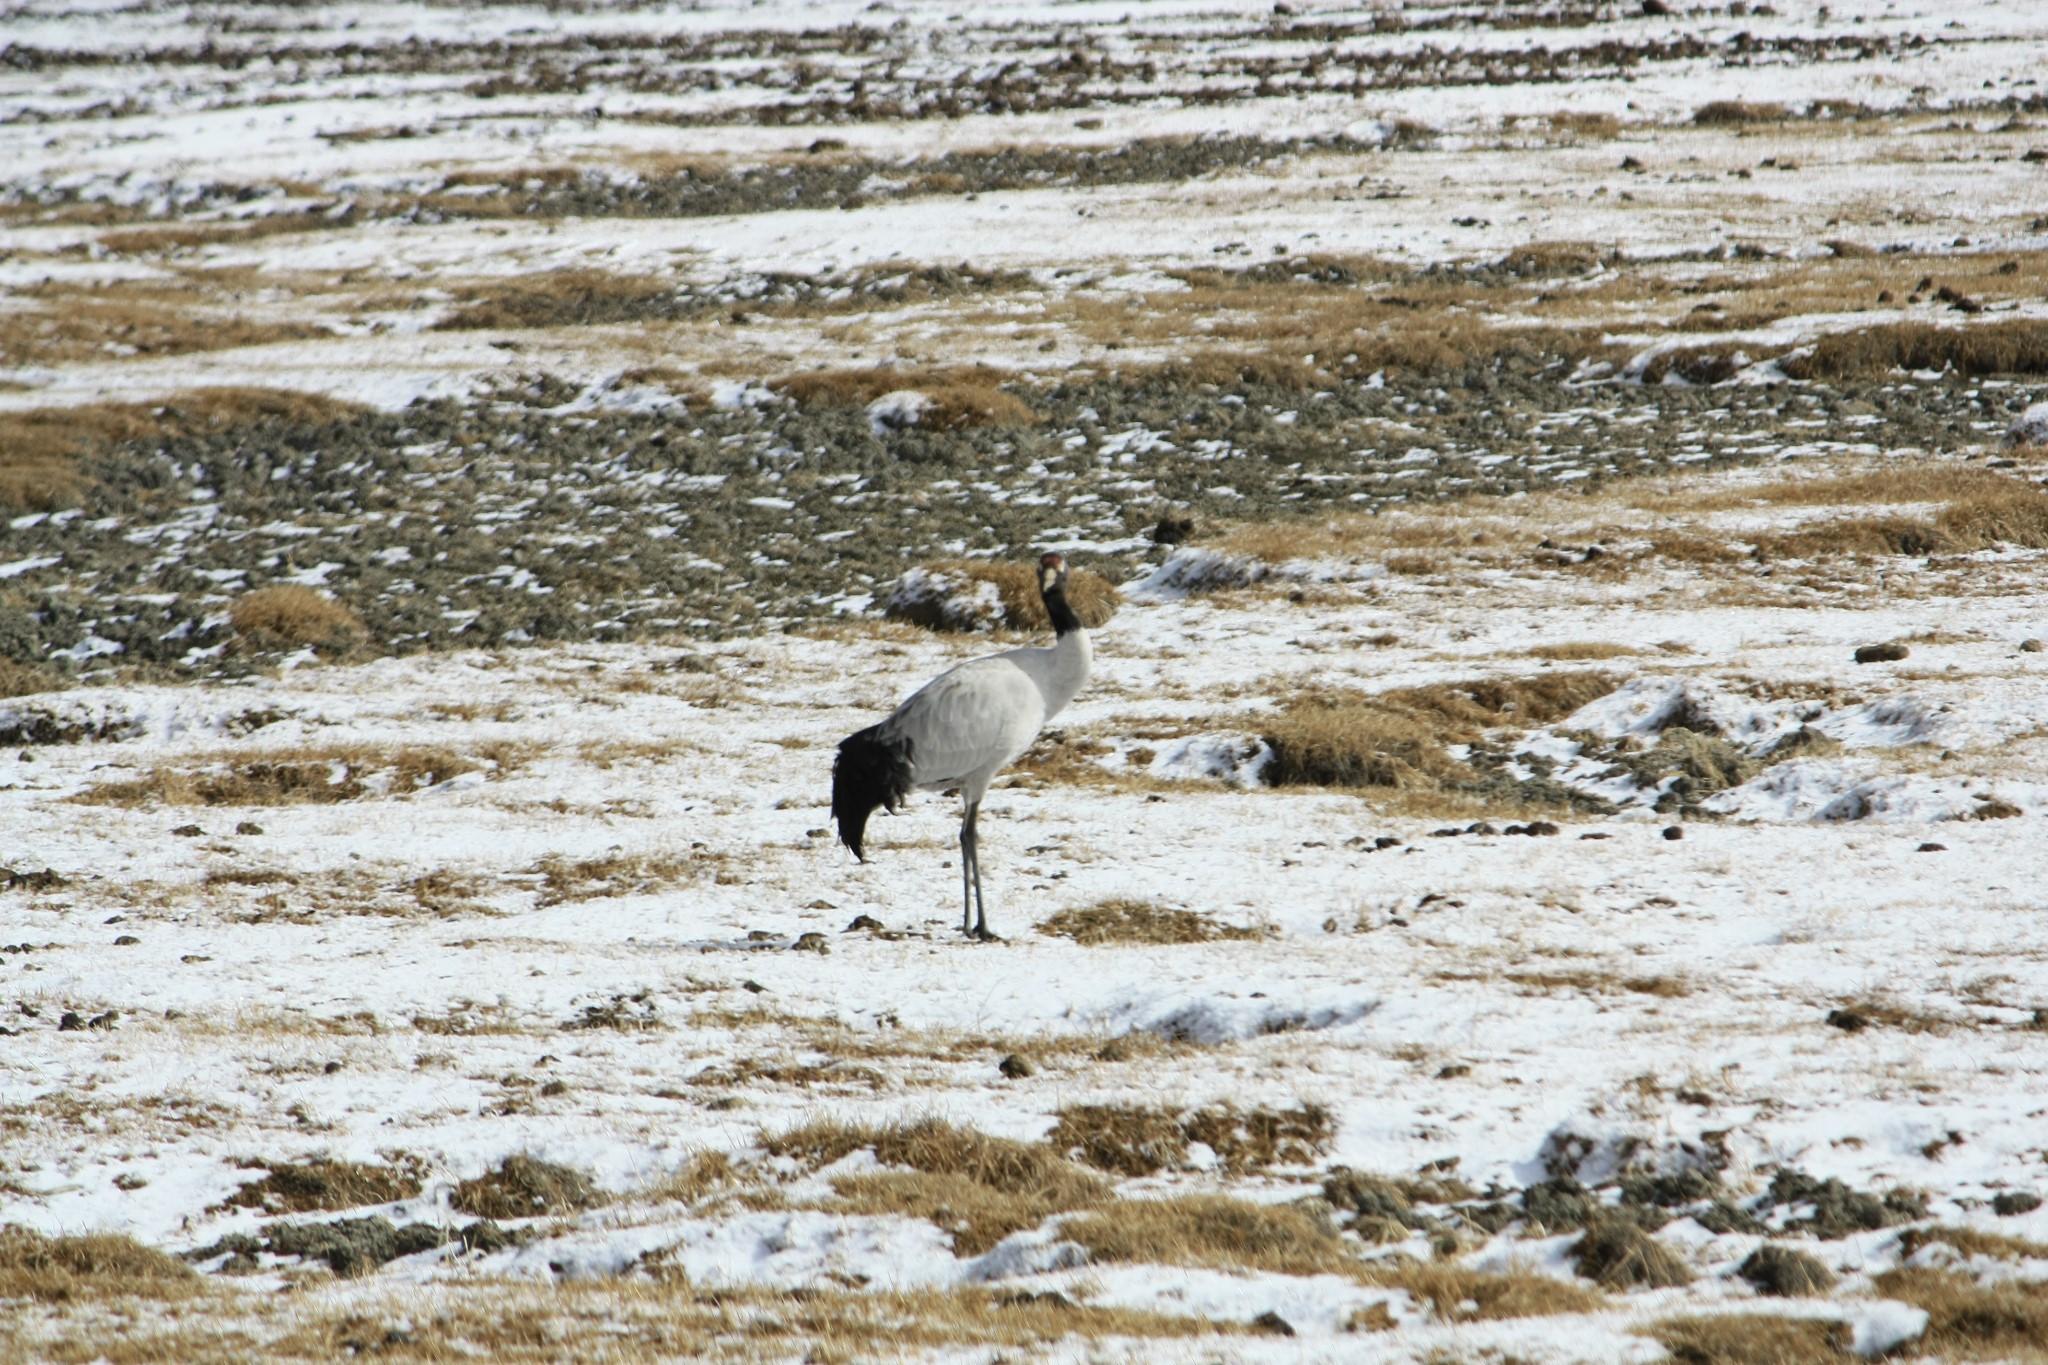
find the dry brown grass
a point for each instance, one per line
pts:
(1973, 1242)
(1968, 1321)
(1397, 738)
(958, 396)
(306, 775)
(2012, 346)
(1753, 1339)
(163, 239)
(632, 1319)
(1093, 597)
(292, 616)
(1724, 113)
(523, 1187)
(1211, 1230)
(306, 1186)
(1122, 921)
(62, 324)
(979, 1188)
(618, 874)
(18, 680)
(1137, 1140)
(41, 449)
(1574, 651)
(1460, 1295)
(90, 1268)
(562, 298)
(1617, 1254)
(1996, 512)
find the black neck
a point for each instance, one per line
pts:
(1063, 618)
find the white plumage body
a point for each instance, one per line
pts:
(971, 722)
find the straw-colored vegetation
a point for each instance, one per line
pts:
(1125, 921)
(290, 616)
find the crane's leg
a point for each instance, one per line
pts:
(970, 867)
(967, 869)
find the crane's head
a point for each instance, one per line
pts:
(1052, 573)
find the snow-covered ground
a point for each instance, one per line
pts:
(1745, 918)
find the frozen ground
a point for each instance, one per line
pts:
(628, 356)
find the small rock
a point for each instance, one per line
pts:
(1674, 831)
(1480, 827)
(1629, 163)
(754, 986)
(2031, 646)
(1882, 654)
(821, 905)
(72, 1022)
(1596, 834)
(2012, 1202)
(1452, 1071)
(1172, 530)
(104, 1021)
(125, 940)
(248, 827)
(1017, 1066)
(863, 922)
(330, 1068)
(813, 942)
(1386, 841)
(1932, 847)
(818, 833)
(1848, 1021)
(1273, 1324)
(188, 832)
(1541, 828)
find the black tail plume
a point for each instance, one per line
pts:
(871, 770)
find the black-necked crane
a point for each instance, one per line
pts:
(960, 730)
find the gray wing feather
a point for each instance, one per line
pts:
(980, 715)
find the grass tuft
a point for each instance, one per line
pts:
(308, 1186)
(88, 1268)
(524, 1187)
(1616, 1254)
(1121, 920)
(292, 616)
(2013, 346)
(956, 396)
(1752, 1339)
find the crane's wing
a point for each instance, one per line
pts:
(977, 717)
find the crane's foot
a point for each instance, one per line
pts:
(981, 933)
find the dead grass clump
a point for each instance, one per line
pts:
(1617, 1254)
(2013, 346)
(523, 1187)
(1335, 741)
(88, 1268)
(1584, 123)
(1210, 1230)
(1460, 1295)
(293, 616)
(41, 449)
(979, 1188)
(1973, 1242)
(1397, 738)
(1252, 1139)
(1129, 1139)
(1786, 1272)
(314, 775)
(306, 1186)
(1121, 920)
(1753, 1339)
(614, 874)
(564, 298)
(1971, 1321)
(966, 595)
(1578, 650)
(955, 396)
(1997, 511)
(18, 680)
(1545, 260)
(1724, 113)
